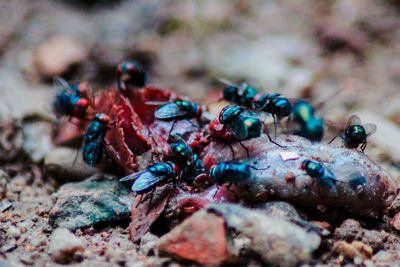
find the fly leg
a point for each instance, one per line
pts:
(140, 201)
(272, 141)
(274, 117)
(332, 139)
(172, 127)
(233, 151)
(363, 146)
(245, 148)
(216, 191)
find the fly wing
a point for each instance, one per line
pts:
(353, 120)
(169, 111)
(227, 82)
(369, 128)
(146, 180)
(62, 85)
(133, 176)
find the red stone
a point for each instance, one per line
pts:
(200, 239)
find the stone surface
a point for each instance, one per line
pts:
(347, 165)
(276, 241)
(201, 239)
(64, 245)
(94, 200)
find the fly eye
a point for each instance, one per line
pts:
(82, 103)
(103, 118)
(303, 165)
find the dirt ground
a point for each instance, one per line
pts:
(343, 56)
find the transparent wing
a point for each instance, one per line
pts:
(353, 120)
(62, 85)
(369, 128)
(146, 180)
(169, 111)
(132, 176)
(227, 82)
(156, 103)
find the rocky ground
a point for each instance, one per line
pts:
(343, 54)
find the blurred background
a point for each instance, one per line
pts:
(344, 54)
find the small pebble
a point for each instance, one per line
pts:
(64, 245)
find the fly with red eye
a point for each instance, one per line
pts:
(93, 142)
(130, 75)
(72, 100)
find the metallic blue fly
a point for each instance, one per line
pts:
(148, 180)
(130, 75)
(242, 95)
(94, 139)
(322, 176)
(232, 173)
(356, 133)
(70, 101)
(308, 125)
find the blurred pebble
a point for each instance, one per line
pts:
(13, 231)
(55, 55)
(37, 140)
(395, 222)
(148, 243)
(86, 203)
(64, 245)
(387, 135)
(355, 250)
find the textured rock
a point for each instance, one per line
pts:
(274, 240)
(201, 239)
(64, 245)
(94, 200)
(377, 191)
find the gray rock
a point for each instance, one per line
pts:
(275, 240)
(64, 245)
(287, 211)
(94, 200)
